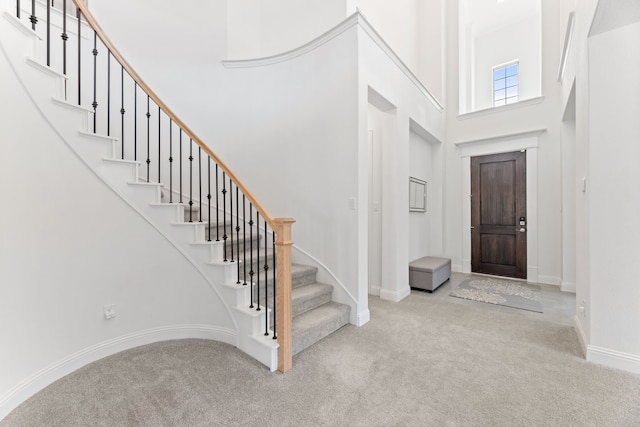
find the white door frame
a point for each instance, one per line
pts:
(528, 141)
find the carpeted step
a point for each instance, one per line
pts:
(301, 275)
(308, 297)
(310, 327)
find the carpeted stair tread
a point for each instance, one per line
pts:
(310, 327)
(308, 297)
(302, 275)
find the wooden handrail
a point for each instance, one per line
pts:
(144, 86)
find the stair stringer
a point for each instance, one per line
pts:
(44, 86)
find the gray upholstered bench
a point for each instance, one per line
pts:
(429, 272)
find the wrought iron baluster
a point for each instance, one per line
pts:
(258, 261)
(200, 182)
(217, 208)
(209, 196)
(190, 180)
(244, 238)
(275, 288)
(224, 214)
(64, 37)
(251, 272)
(170, 160)
(48, 34)
(33, 18)
(231, 217)
(238, 231)
(79, 16)
(266, 285)
(180, 167)
(148, 136)
(122, 110)
(109, 95)
(159, 143)
(135, 121)
(94, 104)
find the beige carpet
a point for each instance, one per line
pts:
(420, 362)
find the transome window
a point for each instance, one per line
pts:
(505, 84)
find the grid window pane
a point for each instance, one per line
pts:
(505, 85)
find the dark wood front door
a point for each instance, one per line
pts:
(499, 214)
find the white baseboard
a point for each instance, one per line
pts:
(375, 290)
(395, 295)
(36, 382)
(614, 359)
(363, 317)
(549, 280)
(456, 268)
(581, 335)
(568, 287)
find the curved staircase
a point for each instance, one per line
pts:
(314, 314)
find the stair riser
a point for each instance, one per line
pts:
(308, 338)
(297, 307)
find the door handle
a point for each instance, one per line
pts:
(522, 230)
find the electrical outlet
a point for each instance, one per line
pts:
(109, 311)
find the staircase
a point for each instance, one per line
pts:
(314, 314)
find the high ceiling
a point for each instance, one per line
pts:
(487, 15)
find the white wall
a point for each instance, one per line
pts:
(259, 29)
(491, 34)
(576, 74)
(519, 41)
(614, 131)
(414, 30)
(68, 246)
(510, 120)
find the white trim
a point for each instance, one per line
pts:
(568, 287)
(613, 359)
(568, 37)
(581, 335)
(395, 295)
(373, 34)
(363, 317)
(20, 25)
(549, 280)
(336, 31)
(502, 143)
(501, 109)
(36, 382)
(355, 19)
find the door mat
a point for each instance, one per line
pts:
(500, 292)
